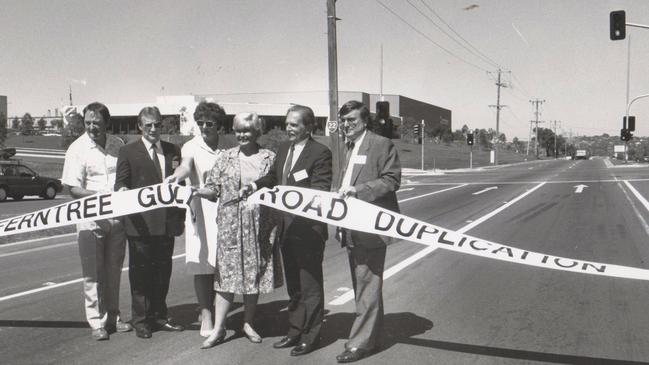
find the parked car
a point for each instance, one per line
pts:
(18, 180)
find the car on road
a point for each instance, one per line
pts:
(18, 180)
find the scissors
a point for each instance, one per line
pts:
(232, 202)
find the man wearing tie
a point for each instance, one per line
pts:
(306, 163)
(372, 173)
(148, 161)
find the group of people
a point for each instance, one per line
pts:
(231, 248)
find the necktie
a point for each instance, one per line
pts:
(156, 161)
(288, 165)
(349, 148)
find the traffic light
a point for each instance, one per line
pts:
(625, 134)
(618, 25)
(416, 129)
(382, 110)
(629, 124)
(469, 139)
(383, 121)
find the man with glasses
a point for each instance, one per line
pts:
(148, 161)
(301, 161)
(372, 173)
(89, 168)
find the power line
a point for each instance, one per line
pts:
(448, 35)
(520, 84)
(428, 38)
(489, 60)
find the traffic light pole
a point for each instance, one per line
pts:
(423, 140)
(471, 157)
(626, 118)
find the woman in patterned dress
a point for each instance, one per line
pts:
(244, 257)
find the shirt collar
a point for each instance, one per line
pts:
(202, 144)
(302, 143)
(358, 140)
(148, 144)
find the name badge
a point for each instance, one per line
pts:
(360, 159)
(300, 175)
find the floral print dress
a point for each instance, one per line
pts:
(244, 255)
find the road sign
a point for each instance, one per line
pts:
(332, 126)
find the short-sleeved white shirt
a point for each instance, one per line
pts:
(202, 157)
(89, 166)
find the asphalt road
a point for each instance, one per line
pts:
(441, 308)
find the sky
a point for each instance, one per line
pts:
(132, 51)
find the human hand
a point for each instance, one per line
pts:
(171, 179)
(123, 188)
(347, 191)
(245, 191)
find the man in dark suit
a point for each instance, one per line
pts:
(306, 163)
(148, 161)
(372, 173)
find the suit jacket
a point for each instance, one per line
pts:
(315, 160)
(376, 181)
(135, 169)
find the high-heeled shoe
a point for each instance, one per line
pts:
(206, 330)
(214, 339)
(251, 334)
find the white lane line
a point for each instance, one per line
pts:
(502, 207)
(37, 249)
(433, 193)
(58, 157)
(342, 299)
(485, 190)
(50, 287)
(36, 240)
(39, 149)
(633, 205)
(637, 195)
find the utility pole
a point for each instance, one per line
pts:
(529, 139)
(381, 78)
(554, 122)
(335, 137)
(498, 107)
(70, 86)
(536, 102)
(423, 140)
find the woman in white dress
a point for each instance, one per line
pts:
(198, 158)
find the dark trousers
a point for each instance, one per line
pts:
(149, 275)
(302, 256)
(366, 266)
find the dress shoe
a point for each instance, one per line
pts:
(120, 326)
(303, 349)
(286, 342)
(351, 355)
(251, 334)
(215, 338)
(169, 327)
(99, 334)
(143, 332)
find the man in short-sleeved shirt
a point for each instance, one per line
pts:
(89, 168)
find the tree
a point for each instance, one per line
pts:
(465, 129)
(170, 124)
(41, 124)
(57, 123)
(26, 124)
(3, 129)
(72, 130)
(15, 123)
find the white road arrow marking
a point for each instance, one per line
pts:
(485, 190)
(579, 188)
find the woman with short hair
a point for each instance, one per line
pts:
(244, 257)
